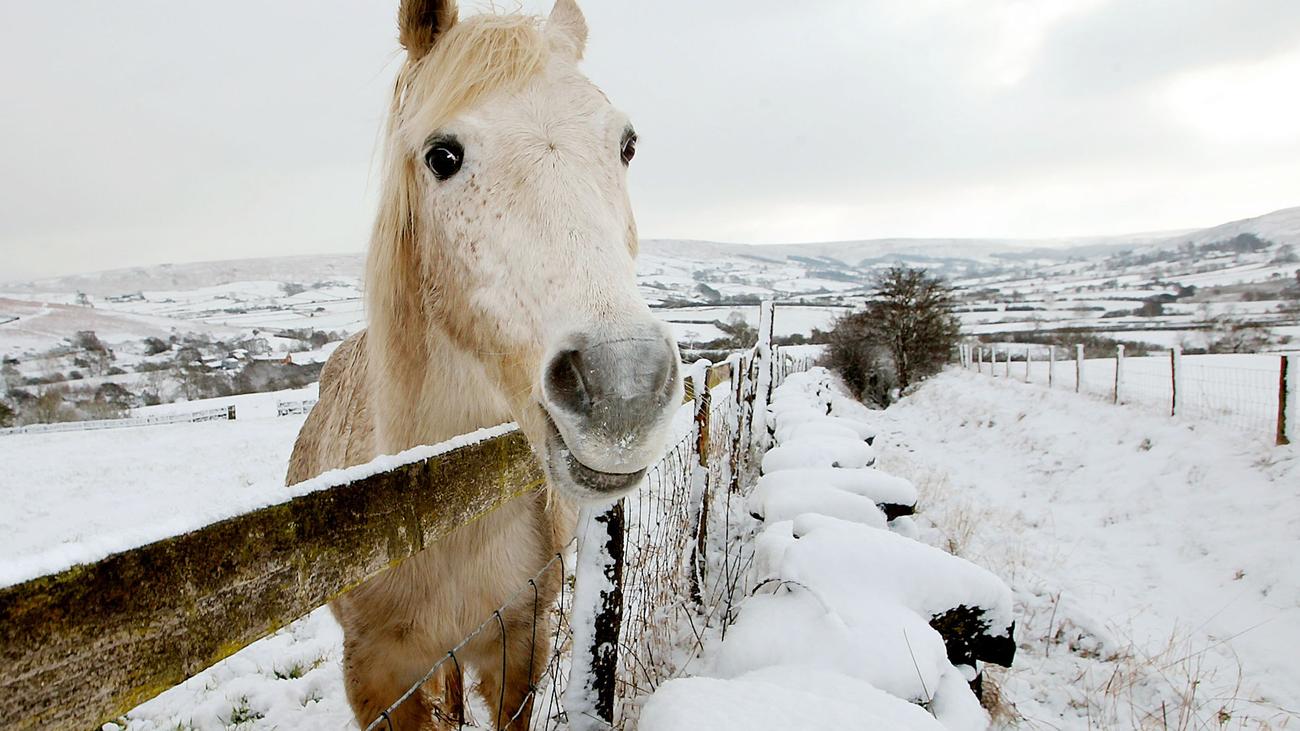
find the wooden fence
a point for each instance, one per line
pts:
(84, 646)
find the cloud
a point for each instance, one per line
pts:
(158, 131)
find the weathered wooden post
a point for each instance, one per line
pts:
(1288, 396)
(1078, 368)
(230, 412)
(700, 486)
(765, 361)
(1008, 374)
(979, 364)
(1175, 380)
(596, 618)
(1119, 372)
(1051, 365)
(1029, 360)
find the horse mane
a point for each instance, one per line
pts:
(474, 58)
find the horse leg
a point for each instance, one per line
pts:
(507, 680)
(376, 672)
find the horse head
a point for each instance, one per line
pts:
(506, 230)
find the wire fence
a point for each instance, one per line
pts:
(1252, 394)
(220, 413)
(686, 549)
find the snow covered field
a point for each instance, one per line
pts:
(1153, 560)
(78, 496)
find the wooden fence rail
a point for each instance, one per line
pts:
(84, 646)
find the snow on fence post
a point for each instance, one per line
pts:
(1029, 359)
(1288, 396)
(1078, 368)
(1008, 362)
(1119, 372)
(595, 619)
(1175, 380)
(765, 362)
(1051, 365)
(979, 363)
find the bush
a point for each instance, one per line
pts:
(907, 333)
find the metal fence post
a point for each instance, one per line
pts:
(1051, 365)
(1288, 399)
(1175, 380)
(1078, 368)
(1119, 372)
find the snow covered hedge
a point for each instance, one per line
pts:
(853, 623)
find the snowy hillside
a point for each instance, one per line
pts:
(194, 330)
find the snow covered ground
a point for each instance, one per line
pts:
(77, 496)
(1153, 560)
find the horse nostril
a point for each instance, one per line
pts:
(566, 383)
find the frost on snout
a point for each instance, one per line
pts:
(610, 402)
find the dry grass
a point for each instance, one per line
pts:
(1111, 681)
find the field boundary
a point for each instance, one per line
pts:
(1256, 394)
(220, 413)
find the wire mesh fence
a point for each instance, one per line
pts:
(1244, 392)
(683, 569)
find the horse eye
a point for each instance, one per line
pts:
(629, 147)
(444, 158)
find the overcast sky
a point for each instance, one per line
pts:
(146, 131)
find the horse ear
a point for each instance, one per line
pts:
(420, 22)
(568, 26)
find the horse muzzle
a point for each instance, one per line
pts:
(610, 399)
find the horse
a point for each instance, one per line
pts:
(499, 286)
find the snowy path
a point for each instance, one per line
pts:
(1154, 562)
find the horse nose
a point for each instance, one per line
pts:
(612, 390)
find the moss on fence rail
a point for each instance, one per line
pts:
(86, 645)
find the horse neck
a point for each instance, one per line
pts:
(428, 394)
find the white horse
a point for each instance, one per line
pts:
(500, 286)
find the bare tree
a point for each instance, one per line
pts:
(906, 332)
(911, 315)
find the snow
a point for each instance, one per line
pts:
(1151, 559)
(877, 486)
(785, 698)
(76, 497)
(839, 622)
(819, 451)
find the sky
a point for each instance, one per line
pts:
(152, 131)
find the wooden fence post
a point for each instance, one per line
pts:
(1119, 372)
(1051, 365)
(596, 618)
(1029, 360)
(230, 412)
(1288, 396)
(703, 407)
(1078, 368)
(1175, 380)
(764, 359)
(979, 364)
